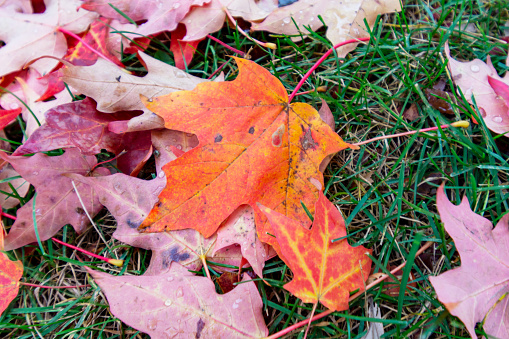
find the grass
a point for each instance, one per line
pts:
(386, 190)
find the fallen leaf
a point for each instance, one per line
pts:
(210, 17)
(227, 281)
(483, 252)
(76, 124)
(7, 116)
(10, 274)
(158, 15)
(375, 329)
(323, 271)
(183, 51)
(181, 304)
(411, 113)
(129, 200)
(56, 203)
(240, 229)
(473, 79)
(344, 19)
(31, 36)
(254, 147)
(114, 90)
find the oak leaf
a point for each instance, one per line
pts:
(254, 147)
(56, 202)
(30, 36)
(477, 290)
(180, 304)
(344, 19)
(473, 78)
(324, 271)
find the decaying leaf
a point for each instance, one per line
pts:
(344, 19)
(324, 271)
(254, 147)
(179, 303)
(56, 202)
(477, 290)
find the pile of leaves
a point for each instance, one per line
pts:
(207, 174)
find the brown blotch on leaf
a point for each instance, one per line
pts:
(307, 140)
(80, 210)
(218, 138)
(251, 130)
(199, 327)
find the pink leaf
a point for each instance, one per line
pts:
(471, 290)
(179, 304)
(56, 203)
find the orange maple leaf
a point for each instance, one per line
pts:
(254, 147)
(323, 270)
(10, 274)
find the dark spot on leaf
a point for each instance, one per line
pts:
(173, 254)
(218, 138)
(283, 3)
(132, 224)
(199, 327)
(118, 78)
(307, 140)
(80, 210)
(251, 130)
(53, 200)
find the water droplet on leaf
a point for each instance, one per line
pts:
(287, 20)
(474, 68)
(497, 119)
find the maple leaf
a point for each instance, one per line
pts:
(344, 19)
(473, 78)
(179, 303)
(10, 274)
(210, 17)
(76, 124)
(114, 90)
(29, 88)
(7, 116)
(79, 124)
(158, 15)
(130, 199)
(473, 292)
(323, 271)
(56, 203)
(183, 51)
(30, 36)
(240, 229)
(254, 147)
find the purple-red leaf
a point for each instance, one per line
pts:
(56, 202)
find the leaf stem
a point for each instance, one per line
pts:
(205, 267)
(116, 262)
(315, 66)
(225, 45)
(461, 123)
(241, 31)
(356, 295)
